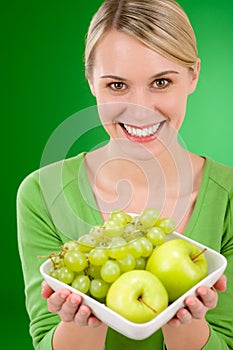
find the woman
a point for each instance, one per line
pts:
(141, 65)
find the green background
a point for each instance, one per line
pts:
(43, 83)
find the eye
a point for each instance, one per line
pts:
(117, 86)
(161, 83)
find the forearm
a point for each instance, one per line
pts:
(192, 336)
(70, 336)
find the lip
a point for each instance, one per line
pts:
(142, 139)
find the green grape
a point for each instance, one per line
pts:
(156, 235)
(113, 228)
(81, 283)
(57, 261)
(117, 252)
(93, 271)
(87, 240)
(96, 231)
(103, 242)
(70, 245)
(129, 229)
(147, 247)
(80, 273)
(132, 232)
(117, 241)
(99, 288)
(127, 263)
(98, 256)
(65, 275)
(140, 263)
(118, 248)
(84, 248)
(120, 216)
(110, 271)
(86, 243)
(135, 248)
(167, 224)
(75, 260)
(54, 273)
(136, 222)
(149, 217)
(129, 232)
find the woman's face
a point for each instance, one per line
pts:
(144, 91)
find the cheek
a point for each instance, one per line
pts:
(106, 97)
(174, 105)
(109, 114)
(112, 130)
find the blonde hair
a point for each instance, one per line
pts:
(162, 25)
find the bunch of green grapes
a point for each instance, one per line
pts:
(123, 243)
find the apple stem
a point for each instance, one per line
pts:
(197, 256)
(151, 308)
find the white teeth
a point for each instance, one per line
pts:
(142, 132)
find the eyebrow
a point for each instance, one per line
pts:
(164, 73)
(110, 76)
(113, 77)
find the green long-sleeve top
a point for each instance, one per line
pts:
(56, 204)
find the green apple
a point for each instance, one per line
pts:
(179, 265)
(138, 296)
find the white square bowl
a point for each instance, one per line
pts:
(138, 331)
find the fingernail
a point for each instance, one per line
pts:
(204, 291)
(63, 295)
(73, 300)
(192, 302)
(83, 312)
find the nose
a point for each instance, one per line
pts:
(142, 107)
(142, 98)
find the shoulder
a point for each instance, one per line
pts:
(50, 179)
(220, 174)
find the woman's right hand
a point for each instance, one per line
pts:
(69, 306)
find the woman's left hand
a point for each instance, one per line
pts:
(196, 307)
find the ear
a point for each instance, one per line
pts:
(195, 76)
(91, 85)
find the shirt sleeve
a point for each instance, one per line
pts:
(215, 342)
(220, 319)
(36, 236)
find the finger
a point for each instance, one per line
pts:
(82, 316)
(184, 316)
(70, 307)
(221, 284)
(94, 322)
(57, 299)
(196, 307)
(46, 290)
(174, 322)
(208, 296)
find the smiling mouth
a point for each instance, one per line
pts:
(142, 134)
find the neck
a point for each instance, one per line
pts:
(122, 180)
(169, 164)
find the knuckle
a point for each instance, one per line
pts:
(52, 308)
(80, 321)
(81, 324)
(211, 304)
(81, 318)
(53, 304)
(66, 317)
(211, 300)
(184, 316)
